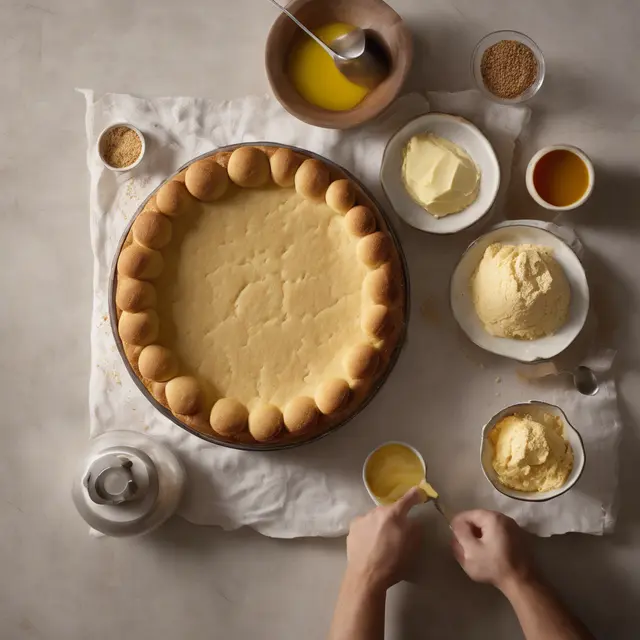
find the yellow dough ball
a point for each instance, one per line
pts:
(284, 164)
(132, 351)
(374, 249)
(380, 286)
(361, 361)
(341, 196)
(206, 180)
(172, 198)
(152, 230)
(228, 417)
(265, 422)
(376, 321)
(312, 180)
(360, 221)
(158, 392)
(140, 328)
(332, 395)
(300, 414)
(157, 363)
(135, 295)
(184, 395)
(136, 261)
(249, 167)
(151, 205)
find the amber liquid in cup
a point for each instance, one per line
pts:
(561, 177)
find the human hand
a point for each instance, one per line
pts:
(380, 543)
(489, 547)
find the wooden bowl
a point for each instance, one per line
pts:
(372, 15)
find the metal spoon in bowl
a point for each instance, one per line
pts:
(358, 57)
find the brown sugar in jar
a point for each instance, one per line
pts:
(508, 69)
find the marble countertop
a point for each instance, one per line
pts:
(185, 581)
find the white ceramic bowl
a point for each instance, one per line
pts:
(462, 133)
(533, 408)
(142, 150)
(521, 350)
(533, 192)
(366, 462)
(493, 38)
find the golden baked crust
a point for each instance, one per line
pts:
(260, 296)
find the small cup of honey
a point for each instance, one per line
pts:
(560, 177)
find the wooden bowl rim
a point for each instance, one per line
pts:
(363, 112)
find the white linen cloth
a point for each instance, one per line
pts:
(438, 397)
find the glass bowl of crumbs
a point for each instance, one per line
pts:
(508, 67)
(121, 146)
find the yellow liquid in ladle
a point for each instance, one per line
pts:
(315, 76)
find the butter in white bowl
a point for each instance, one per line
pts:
(439, 175)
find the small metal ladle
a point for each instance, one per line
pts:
(358, 57)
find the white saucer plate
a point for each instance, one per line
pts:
(522, 350)
(472, 140)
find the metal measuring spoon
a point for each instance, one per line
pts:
(584, 379)
(359, 58)
(433, 496)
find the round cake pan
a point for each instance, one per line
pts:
(313, 436)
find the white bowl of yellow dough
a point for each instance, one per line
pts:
(520, 291)
(531, 452)
(440, 173)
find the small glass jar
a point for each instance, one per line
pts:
(494, 38)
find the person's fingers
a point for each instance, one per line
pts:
(480, 519)
(464, 518)
(464, 531)
(458, 551)
(354, 522)
(412, 545)
(409, 500)
(416, 533)
(510, 523)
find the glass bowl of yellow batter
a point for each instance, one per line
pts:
(303, 76)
